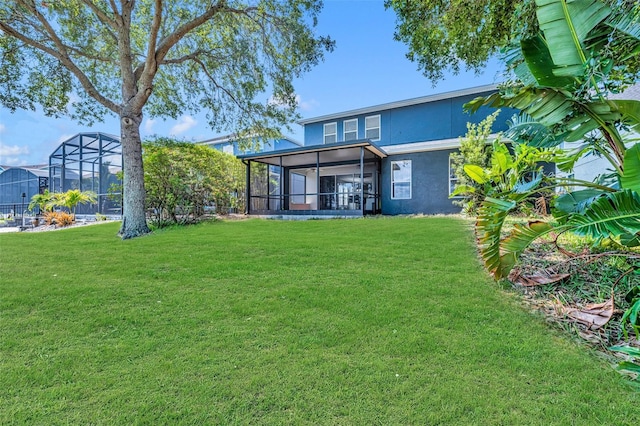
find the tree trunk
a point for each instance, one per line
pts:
(134, 221)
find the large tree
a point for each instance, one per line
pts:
(89, 58)
(443, 35)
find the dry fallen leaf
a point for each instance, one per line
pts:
(539, 278)
(593, 315)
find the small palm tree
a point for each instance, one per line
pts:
(44, 202)
(73, 197)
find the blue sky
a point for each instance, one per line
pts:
(368, 67)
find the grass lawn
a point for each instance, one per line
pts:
(372, 321)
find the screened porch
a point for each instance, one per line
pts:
(341, 179)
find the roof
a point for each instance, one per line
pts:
(232, 138)
(35, 170)
(335, 152)
(404, 103)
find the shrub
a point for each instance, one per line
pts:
(61, 219)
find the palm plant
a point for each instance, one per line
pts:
(73, 197)
(564, 74)
(42, 201)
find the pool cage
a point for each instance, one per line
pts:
(89, 162)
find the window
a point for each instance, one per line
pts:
(228, 149)
(350, 129)
(331, 133)
(372, 127)
(401, 180)
(298, 188)
(453, 179)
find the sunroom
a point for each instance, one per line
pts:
(339, 179)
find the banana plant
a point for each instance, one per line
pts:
(563, 79)
(563, 75)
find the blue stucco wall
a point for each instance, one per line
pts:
(443, 119)
(429, 184)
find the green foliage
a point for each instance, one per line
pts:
(444, 35)
(181, 179)
(564, 73)
(633, 313)
(73, 197)
(44, 202)
(234, 60)
(474, 150)
(631, 367)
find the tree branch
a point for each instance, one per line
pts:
(215, 83)
(103, 17)
(61, 55)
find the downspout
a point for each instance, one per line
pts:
(247, 208)
(362, 180)
(280, 184)
(318, 180)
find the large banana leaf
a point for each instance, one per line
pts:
(525, 129)
(491, 216)
(539, 65)
(630, 178)
(566, 205)
(629, 110)
(611, 215)
(517, 241)
(565, 24)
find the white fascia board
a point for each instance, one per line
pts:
(437, 145)
(400, 104)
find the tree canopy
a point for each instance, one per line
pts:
(234, 59)
(444, 35)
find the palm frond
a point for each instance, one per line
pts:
(525, 129)
(610, 216)
(491, 216)
(630, 178)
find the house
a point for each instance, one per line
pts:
(385, 159)
(590, 167)
(230, 145)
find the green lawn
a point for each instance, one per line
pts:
(363, 322)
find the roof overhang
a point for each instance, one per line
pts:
(400, 104)
(426, 146)
(331, 153)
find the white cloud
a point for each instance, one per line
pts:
(13, 150)
(13, 161)
(305, 105)
(148, 125)
(185, 123)
(10, 155)
(64, 138)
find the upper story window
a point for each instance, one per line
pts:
(228, 149)
(331, 133)
(372, 127)
(401, 180)
(350, 129)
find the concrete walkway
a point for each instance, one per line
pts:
(7, 229)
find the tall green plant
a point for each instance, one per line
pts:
(474, 149)
(182, 178)
(564, 74)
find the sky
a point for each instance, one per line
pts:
(368, 67)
